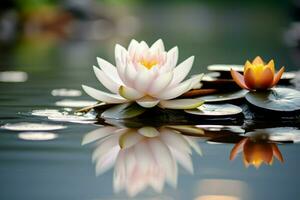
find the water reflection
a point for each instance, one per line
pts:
(37, 136)
(143, 157)
(66, 92)
(222, 189)
(149, 156)
(256, 151)
(13, 76)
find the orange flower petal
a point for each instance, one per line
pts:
(239, 79)
(277, 153)
(237, 148)
(258, 61)
(250, 78)
(266, 79)
(258, 152)
(271, 65)
(278, 76)
(247, 65)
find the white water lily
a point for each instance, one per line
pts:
(141, 157)
(146, 75)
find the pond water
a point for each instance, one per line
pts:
(48, 152)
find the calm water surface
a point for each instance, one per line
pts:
(50, 159)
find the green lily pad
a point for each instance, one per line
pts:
(216, 110)
(224, 96)
(123, 111)
(276, 99)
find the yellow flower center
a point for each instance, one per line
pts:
(149, 63)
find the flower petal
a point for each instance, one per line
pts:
(165, 160)
(271, 65)
(248, 64)
(147, 102)
(266, 79)
(106, 81)
(181, 104)
(106, 161)
(171, 93)
(172, 56)
(237, 148)
(121, 60)
(103, 96)
(158, 45)
(148, 131)
(196, 81)
(129, 139)
(132, 48)
(130, 93)
(161, 82)
(278, 76)
(239, 79)
(277, 153)
(182, 70)
(249, 78)
(175, 140)
(97, 134)
(258, 61)
(143, 80)
(109, 70)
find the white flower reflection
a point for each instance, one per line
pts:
(142, 157)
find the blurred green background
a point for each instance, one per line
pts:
(51, 37)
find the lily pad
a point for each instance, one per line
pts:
(224, 96)
(281, 134)
(288, 76)
(276, 99)
(216, 110)
(211, 76)
(123, 111)
(225, 68)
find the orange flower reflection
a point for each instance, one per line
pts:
(257, 75)
(256, 152)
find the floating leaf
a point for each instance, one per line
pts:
(288, 76)
(211, 76)
(216, 110)
(276, 99)
(224, 96)
(123, 111)
(281, 134)
(181, 104)
(225, 68)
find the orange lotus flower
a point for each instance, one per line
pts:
(257, 75)
(256, 152)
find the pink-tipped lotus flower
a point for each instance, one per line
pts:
(145, 75)
(141, 157)
(257, 75)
